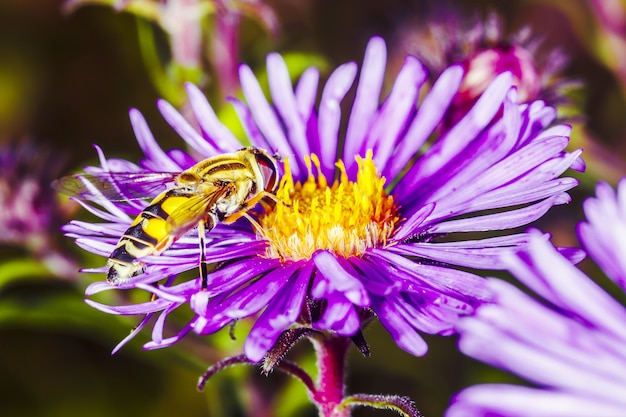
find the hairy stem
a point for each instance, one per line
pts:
(331, 360)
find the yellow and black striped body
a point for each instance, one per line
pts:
(149, 234)
(218, 189)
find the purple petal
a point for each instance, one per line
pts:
(219, 136)
(257, 139)
(341, 277)
(133, 333)
(367, 97)
(306, 92)
(515, 193)
(403, 334)
(329, 119)
(539, 117)
(168, 341)
(429, 312)
(162, 292)
(264, 117)
(429, 115)
(540, 345)
(232, 276)
(517, 401)
(285, 102)
(131, 310)
(339, 316)
(157, 159)
(185, 131)
(480, 159)
(415, 223)
(602, 234)
(500, 221)
(374, 278)
(448, 281)
(254, 297)
(395, 114)
(578, 294)
(159, 324)
(280, 314)
(450, 146)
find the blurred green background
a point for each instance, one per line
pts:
(67, 80)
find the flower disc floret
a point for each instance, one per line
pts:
(345, 218)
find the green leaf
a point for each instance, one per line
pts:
(21, 269)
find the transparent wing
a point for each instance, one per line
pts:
(195, 209)
(114, 186)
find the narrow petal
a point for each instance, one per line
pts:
(395, 114)
(306, 92)
(341, 277)
(158, 160)
(339, 316)
(131, 310)
(517, 401)
(482, 157)
(329, 119)
(429, 115)
(602, 234)
(464, 285)
(578, 294)
(285, 102)
(184, 129)
(132, 333)
(216, 133)
(403, 334)
(254, 297)
(367, 97)
(263, 115)
(450, 146)
(280, 314)
(414, 224)
(501, 221)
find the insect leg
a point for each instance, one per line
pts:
(253, 221)
(242, 211)
(202, 261)
(206, 225)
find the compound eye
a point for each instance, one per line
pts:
(268, 170)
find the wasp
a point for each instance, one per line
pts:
(220, 189)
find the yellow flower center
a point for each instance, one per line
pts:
(345, 218)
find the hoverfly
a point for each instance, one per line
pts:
(218, 189)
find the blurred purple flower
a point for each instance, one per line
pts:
(446, 37)
(30, 214)
(573, 345)
(337, 253)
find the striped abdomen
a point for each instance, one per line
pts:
(151, 233)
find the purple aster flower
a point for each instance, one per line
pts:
(571, 343)
(31, 214)
(445, 37)
(361, 221)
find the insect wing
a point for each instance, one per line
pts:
(193, 209)
(114, 186)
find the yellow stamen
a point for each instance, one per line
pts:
(345, 218)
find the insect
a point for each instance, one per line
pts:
(218, 189)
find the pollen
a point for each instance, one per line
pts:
(345, 218)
